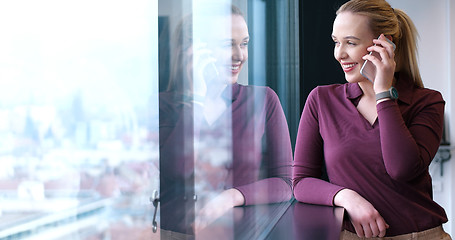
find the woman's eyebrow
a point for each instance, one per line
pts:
(233, 40)
(352, 37)
(347, 37)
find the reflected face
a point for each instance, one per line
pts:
(231, 49)
(352, 36)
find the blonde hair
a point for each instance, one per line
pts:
(391, 22)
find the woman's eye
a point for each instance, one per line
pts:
(245, 44)
(352, 43)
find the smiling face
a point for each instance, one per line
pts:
(231, 48)
(352, 36)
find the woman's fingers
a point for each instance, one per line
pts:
(382, 227)
(374, 229)
(387, 44)
(385, 66)
(371, 229)
(368, 232)
(358, 229)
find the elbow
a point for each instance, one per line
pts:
(399, 176)
(296, 195)
(294, 182)
(404, 174)
(300, 198)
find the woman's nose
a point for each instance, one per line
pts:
(340, 53)
(237, 53)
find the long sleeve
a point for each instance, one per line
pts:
(273, 184)
(409, 147)
(309, 159)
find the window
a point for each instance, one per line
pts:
(79, 125)
(81, 131)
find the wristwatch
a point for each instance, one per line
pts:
(392, 93)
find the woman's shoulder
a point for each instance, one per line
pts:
(331, 90)
(325, 96)
(332, 87)
(252, 88)
(427, 95)
(255, 90)
(410, 92)
(428, 91)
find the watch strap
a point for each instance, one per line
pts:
(391, 93)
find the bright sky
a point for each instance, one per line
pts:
(49, 49)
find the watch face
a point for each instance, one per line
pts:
(394, 93)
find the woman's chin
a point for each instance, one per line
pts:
(354, 79)
(229, 79)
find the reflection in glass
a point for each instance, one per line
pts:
(222, 144)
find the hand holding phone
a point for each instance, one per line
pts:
(368, 69)
(204, 68)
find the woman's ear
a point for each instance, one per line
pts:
(389, 37)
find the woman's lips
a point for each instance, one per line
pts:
(235, 69)
(347, 67)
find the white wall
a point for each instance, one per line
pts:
(435, 21)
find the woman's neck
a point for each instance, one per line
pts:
(367, 89)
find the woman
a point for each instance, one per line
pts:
(228, 140)
(376, 148)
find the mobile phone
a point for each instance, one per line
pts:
(368, 69)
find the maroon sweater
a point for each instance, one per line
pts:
(259, 144)
(386, 163)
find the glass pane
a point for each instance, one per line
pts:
(225, 148)
(92, 95)
(78, 119)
